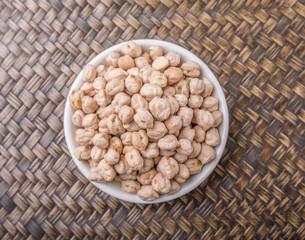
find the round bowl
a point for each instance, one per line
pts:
(114, 188)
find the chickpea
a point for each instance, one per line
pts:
(194, 165)
(131, 49)
(157, 78)
(208, 87)
(130, 186)
(140, 140)
(159, 108)
(195, 101)
(207, 154)
(97, 154)
(157, 132)
(95, 175)
(116, 144)
(99, 83)
(90, 121)
(143, 118)
(106, 171)
(101, 140)
(102, 99)
(137, 101)
(160, 183)
(169, 91)
(122, 167)
(145, 73)
(88, 89)
(210, 104)
(89, 105)
(134, 71)
(196, 86)
(147, 177)
(186, 115)
(126, 62)
(93, 163)
(131, 126)
(150, 91)
(167, 153)
(173, 58)
(77, 118)
(147, 193)
(75, 99)
(183, 174)
(112, 157)
(147, 57)
(113, 72)
(180, 158)
(173, 75)
(120, 100)
(212, 137)
(174, 124)
(185, 148)
(133, 84)
(141, 62)
(169, 142)
(195, 114)
(148, 165)
(131, 176)
(173, 104)
(101, 70)
(89, 73)
(126, 114)
(199, 134)
(151, 151)
(127, 149)
(82, 152)
(175, 187)
(191, 69)
(113, 87)
(181, 99)
(126, 138)
(196, 149)
(217, 117)
(205, 119)
(112, 58)
(104, 112)
(155, 51)
(182, 87)
(103, 127)
(169, 167)
(84, 136)
(187, 133)
(115, 125)
(134, 159)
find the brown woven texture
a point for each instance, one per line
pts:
(255, 48)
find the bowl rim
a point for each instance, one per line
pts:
(210, 166)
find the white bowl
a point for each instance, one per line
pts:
(114, 188)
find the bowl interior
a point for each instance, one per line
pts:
(114, 188)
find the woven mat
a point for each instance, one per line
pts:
(255, 48)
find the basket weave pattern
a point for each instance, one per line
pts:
(257, 51)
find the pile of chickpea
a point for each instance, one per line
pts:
(146, 120)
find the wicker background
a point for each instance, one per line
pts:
(257, 51)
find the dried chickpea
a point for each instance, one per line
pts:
(141, 62)
(191, 69)
(147, 193)
(120, 100)
(102, 99)
(145, 73)
(208, 87)
(168, 142)
(196, 149)
(147, 57)
(210, 104)
(99, 83)
(126, 138)
(173, 75)
(143, 118)
(77, 118)
(159, 108)
(148, 165)
(112, 58)
(173, 103)
(102, 126)
(174, 124)
(101, 140)
(194, 165)
(106, 171)
(122, 167)
(134, 159)
(75, 99)
(182, 87)
(115, 125)
(160, 183)
(89, 73)
(101, 70)
(151, 151)
(169, 167)
(137, 101)
(97, 154)
(134, 71)
(181, 99)
(150, 91)
(180, 158)
(159, 79)
(212, 137)
(130, 186)
(127, 149)
(175, 187)
(217, 117)
(196, 86)
(140, 140)
(157, 132)
(186, 115)
(133, 84)
(82, 152)
(114, 87)
(90, 121)
(130, 176)
(84, 136)
(126, 62)
(169, 91)
(195, 101)
(207, 154)
(131, 126)
(205, 119)
(131, 49)
(186, 147)
(104, 112)
(95, 175)
(199, 134)
(160, 63)
(173, 58)
(147, 177)
(155, 51)
(112, 156)
(115, 74)
(116, 144)
(89, 105)
(126, 114)
(183, 174)
(88, 89)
